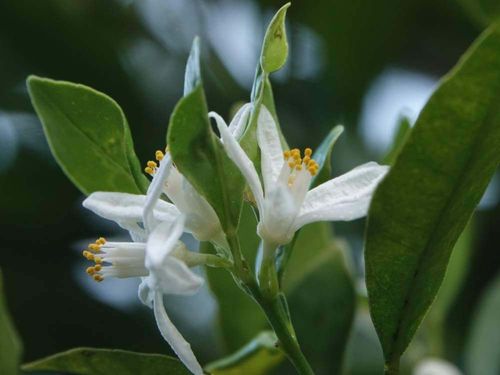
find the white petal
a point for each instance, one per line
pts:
(124, 207)
(178, 344)
(145, 294)
(240, 158)
(154, 191)
(162, 241)
(280, 211)
(270, 146)
(167, 273)
(346, 197)
(238, 123)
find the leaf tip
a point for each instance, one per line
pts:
(275, 47)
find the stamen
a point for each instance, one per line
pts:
(308, 152)
(296, 162)
(286, 154)
(159, 155)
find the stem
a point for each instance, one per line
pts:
(392, 368)
(277, 317)
(268, 278)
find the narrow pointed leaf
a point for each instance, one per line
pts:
(10, 344)
(88, 135)
(426, 200)
(402, 134)
(89, 361)
(323, 154)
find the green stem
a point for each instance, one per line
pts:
(278, 318)
(268, 278)
(392, 368)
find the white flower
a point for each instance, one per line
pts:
(160, 263)
(201, 219)
(284, 200)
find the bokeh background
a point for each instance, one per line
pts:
(360, 63)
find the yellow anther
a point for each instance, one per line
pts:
(149, 170)
(306, 159)
(90, 271)
(95, 247)
(88, 255)
(97, 268)
(101, 241)
(98, 278)
(308, 152)
(286, 154)
(151, 164)
(298, 167)
(291, 164)
(159, 155)
(98, 260)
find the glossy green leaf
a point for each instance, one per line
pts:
(424, 203)
(88, 135)
(259, 356)
(483, 346)
(239, 318)
(402, 134)
(10, 344)
(89, 361)
(322, 303)
(323, 154)
(275, 47)
(200, 157)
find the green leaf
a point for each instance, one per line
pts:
(10, 344)
(483, 346)
(323, 155)
(88, 135)
(424, 203)
(275, 48)
(402, 134)
(239, 318)
(322, 304)
(259, 356)
(89, 361)
(200, 157)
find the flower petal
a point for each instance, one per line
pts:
(167, 273)
(270, 146)
(344, 198)
(240, 158)
(239, 121)
(170, 333)
(154, 191)
(124, 207)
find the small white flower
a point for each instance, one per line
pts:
(284, 200)
(159, 262)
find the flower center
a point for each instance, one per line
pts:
(115, 259)
(298, 163)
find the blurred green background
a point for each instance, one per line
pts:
(356, 62)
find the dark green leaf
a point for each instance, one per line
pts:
(10, 344)
(322, 304)
(483, 347)
(88, 135)
(259, 356)
(88, 361)
(402, 134)
(200, 157)
(323, 155)
(275, 46)
(422, 206)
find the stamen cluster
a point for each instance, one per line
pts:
(91, 254)
(297, 162)
(152, 166)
